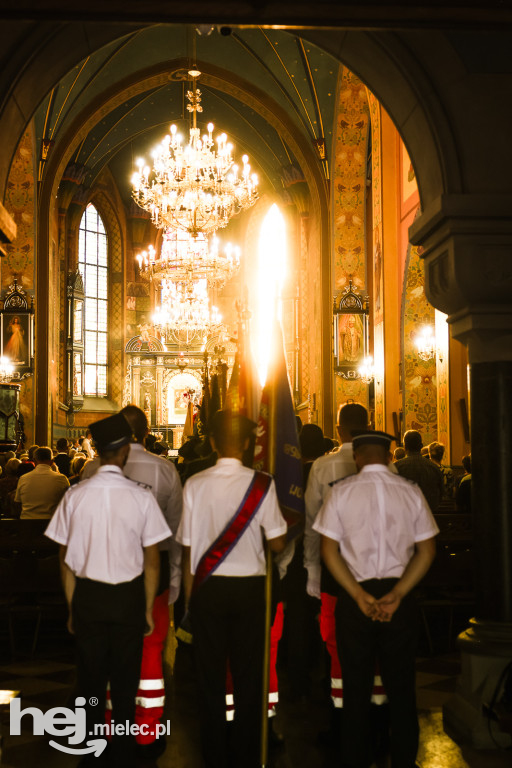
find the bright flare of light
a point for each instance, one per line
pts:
(270, 279)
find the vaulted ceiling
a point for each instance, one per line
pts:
(270, 91)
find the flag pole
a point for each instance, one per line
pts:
(271, 447)
(266, 660)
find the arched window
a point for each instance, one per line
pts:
(93, 266)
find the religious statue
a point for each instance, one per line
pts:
(147, 406)
(144, 332)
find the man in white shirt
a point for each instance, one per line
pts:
(378, 542)
(160, 477)
(40, 491)
(109, 529)
(226, 596)
(326, 470)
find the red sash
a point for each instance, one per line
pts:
(226, 540)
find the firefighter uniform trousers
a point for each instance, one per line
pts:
(150, 700)
(276, 632)
(328, 633)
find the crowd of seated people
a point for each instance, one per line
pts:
(67, 461)
(69, 457)
(54, 470)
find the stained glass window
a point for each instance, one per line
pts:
(92, 263)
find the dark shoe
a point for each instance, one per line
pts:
(152, 751)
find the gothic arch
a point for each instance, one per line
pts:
(381, 59)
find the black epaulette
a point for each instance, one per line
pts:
(340, 480)
(141, 485)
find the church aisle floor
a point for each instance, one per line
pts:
(48, 679)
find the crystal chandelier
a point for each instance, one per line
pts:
(185, 307)
(194, 187)
(184, 258)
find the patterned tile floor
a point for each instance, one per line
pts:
(47, 680)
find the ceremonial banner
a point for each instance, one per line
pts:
(277, 444)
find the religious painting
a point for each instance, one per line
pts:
(16, 335)
(350, 333)
(350, 339)
(181, 399)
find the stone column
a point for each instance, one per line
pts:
(136, 394)
(467, 243)
(159, 392)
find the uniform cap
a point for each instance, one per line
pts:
(372, 437)
(111, 433)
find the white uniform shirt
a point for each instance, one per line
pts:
(325, 470)
(376, 516)
(210, 500)
(105, 523)
(162, 479)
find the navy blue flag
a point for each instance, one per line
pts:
(277, 443)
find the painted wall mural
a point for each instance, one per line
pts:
(443, 383)
(19, 262)
(348, 176)
(377, 259)
(419, 377)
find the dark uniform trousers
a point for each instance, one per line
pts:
(109, 621)
(360, 642)
(301, 637)
(227, 614)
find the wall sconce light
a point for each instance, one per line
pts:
(426, 343)
(6, 370)
(366, 370)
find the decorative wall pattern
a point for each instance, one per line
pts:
(443, 388)
(304, 378)
(313, 338)
(348, 189)
(19, 262)
(19, 202)
(349, 182)
(378, 260)
(419, 377)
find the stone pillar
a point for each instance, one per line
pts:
(467, 243)
(136, 394)
(159, 392)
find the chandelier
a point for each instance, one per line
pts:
(194, 187)
(184, 258)
(185, 307)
